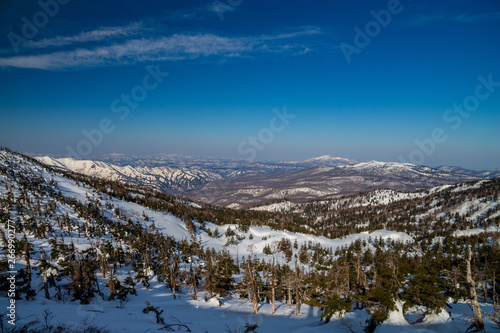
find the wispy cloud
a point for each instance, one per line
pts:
(426, 19)
(304, 31)
(167, 48)
(96, 35)
(477, 18)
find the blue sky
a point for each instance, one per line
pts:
(66, 68)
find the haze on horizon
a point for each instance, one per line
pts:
(384, 80)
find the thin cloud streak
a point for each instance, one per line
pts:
(97, 35)
(172, 48)
(477, 18)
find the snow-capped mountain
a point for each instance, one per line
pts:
(222, 164)
(327, 160)
(164, 178)
(492, 173)
(384, 197)
(323, 181)
(239, 183)
(175, 173)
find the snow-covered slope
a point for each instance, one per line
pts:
(165, 179)
(252, 241)
(372, 198)
(174, 173)
(30, 193)
(473, 202)
(238, 184)
(493, 173)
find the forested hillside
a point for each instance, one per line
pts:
(84, 249)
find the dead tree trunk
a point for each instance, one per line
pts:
(478, 318)
(174, 285)
(195, 290)
(43, 257)
(358, 269)
(273, 286)
(253, 288)
(104, 265)
(297, 291)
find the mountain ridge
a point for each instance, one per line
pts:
(176, 173)
(490, 173)
(240, 184)
(323, 182)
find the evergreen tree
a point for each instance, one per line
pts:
(425, 288)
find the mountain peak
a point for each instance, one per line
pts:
(382, 164)
(328, 158)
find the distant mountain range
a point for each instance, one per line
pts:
(165, 178)
(241, 183)
(323, 182)
(175, 173)
(493, 173)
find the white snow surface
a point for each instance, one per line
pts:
(201, 315)
(475, 231)
(160, 178)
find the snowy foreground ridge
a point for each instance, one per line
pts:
(208, 316)
(229, 313)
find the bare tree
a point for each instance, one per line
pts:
(253, 287)
(174, 273)
(478, 318)
(273, 286)
(297, 281)
(193, 282)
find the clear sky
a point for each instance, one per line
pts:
(415, 81)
